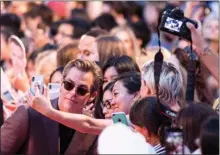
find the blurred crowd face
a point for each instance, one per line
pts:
(106, 104)
(124, 36)
(16, 52)
(18, 8)
(151, 15)
(71, 101)
(57, 77)
(32, 23)
(88, 49)
(211, 30)
(122, 100)
(109, 74)
(64, 34)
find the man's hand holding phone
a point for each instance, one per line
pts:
(38, 101)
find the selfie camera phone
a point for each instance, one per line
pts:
(174, 141)
(174, 22)
(37, 79)
(120, 117)
(54, 90)
(9, 97)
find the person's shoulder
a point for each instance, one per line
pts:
(21, 108)
(19, 115)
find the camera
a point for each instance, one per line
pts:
(174, 22)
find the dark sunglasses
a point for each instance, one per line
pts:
(80, 90)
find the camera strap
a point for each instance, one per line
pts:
(158, 62)
(191, 75)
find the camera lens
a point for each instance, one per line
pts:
(119, 120)
(50, 87)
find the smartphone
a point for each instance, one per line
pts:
(54, 90)
(120, 117)
(9, 97)
(174, 141)
(37, 79)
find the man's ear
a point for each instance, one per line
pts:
(147, 90)
(93, 96)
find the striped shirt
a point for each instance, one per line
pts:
(160, 149)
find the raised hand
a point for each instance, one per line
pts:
(197, 38)
(89, 110)
(40, 102)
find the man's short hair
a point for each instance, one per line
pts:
(170, 85)
(96, 32)
(105, 21)
(86, 66)
(80, 27)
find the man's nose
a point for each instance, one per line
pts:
(112, 102)
(73, 92)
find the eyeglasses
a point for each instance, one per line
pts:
(106, 104)
(80, 90)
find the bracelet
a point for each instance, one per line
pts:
(207, 51)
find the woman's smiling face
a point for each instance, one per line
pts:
(122, 100)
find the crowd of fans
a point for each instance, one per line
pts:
(97, 59)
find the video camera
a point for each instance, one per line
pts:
(174, 22)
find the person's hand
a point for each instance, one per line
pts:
(192, 4)
(197, 38)
(40, 102)
(189, 8)
(89, 110)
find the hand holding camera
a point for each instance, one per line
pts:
(197, 38)
(174, 22)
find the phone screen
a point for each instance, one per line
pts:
(174, 141)
(8, 96)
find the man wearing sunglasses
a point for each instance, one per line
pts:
(29, 132)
